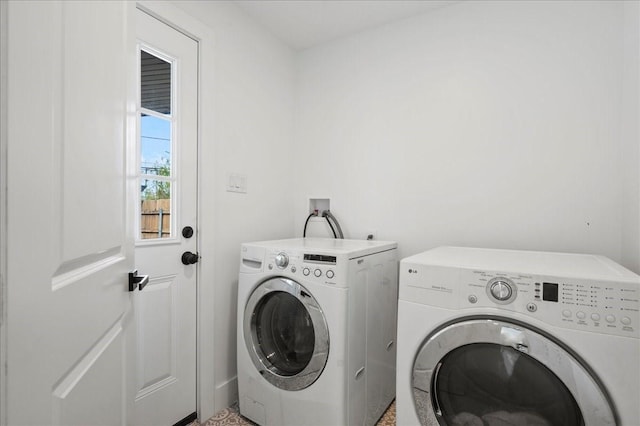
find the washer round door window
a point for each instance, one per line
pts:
(495, 372)
(286, 334)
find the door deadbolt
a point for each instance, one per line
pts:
(189, 258)
(187, 232)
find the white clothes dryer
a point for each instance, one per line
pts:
(503, 337)
(316, 331)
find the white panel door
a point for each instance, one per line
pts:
(167, 177)
(69, 239)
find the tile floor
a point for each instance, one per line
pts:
(231, 417)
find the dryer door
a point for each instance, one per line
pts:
(498, 372)
(286, 334)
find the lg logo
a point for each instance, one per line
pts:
(413, 271)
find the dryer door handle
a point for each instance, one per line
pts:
(359, 373)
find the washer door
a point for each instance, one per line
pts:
(286, 334)
(497, 372)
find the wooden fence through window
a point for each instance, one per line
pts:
(155, 219)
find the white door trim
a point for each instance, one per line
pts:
(191, 27)
(3, 210)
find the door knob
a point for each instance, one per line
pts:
(189, 258)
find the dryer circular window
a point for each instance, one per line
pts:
(286, 334)
(496, 371)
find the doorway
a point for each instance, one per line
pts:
(166, 225)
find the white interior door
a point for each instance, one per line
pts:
(69, 240)
(165, 248)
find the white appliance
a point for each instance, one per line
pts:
(517, 338)
(316, 331)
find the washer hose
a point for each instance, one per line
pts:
(331, 226)
(304, 232)
(327, 215)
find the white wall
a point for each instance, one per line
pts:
(493, 124)
(251, 121)
(486, 124)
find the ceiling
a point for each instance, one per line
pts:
(305, 23)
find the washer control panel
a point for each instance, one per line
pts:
(317, 267)
(598, 306)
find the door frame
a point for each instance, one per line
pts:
(191, 27)
(3, 209)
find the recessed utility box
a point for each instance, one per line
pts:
(320, 204)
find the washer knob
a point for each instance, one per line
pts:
(501, 290)
(282, 260)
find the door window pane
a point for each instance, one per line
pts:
(155, 209)
(155, 83)
(490, 384)
(155, 146)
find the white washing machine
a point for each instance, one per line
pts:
(501, 337)
(316, 331)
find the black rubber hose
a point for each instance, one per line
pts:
(331, 226)
(304, 232)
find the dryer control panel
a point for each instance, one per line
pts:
(589, 305)
(601, 306)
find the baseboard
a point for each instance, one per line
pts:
(226, 394)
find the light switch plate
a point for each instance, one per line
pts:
(237, 182)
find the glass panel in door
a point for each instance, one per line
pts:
(155, 83)
(156, 148)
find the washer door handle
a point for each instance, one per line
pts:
(359, 373)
